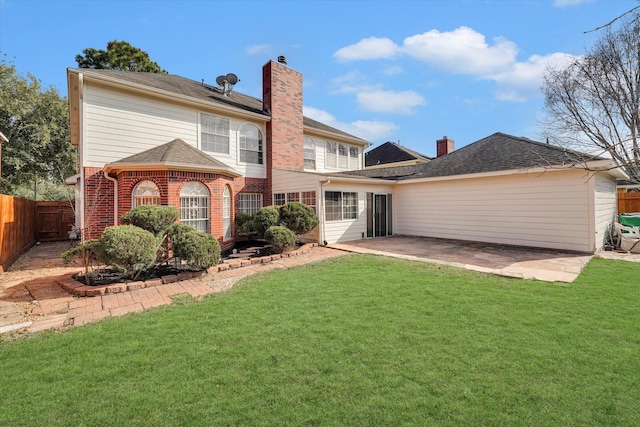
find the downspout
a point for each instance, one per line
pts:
(322, 236)
(80, 158)
(115, 196)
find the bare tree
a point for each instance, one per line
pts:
(593, 104)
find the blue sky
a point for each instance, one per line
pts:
(403, 71)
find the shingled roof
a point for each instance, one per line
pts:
(390, 152)
(497, 152)
(203, 92)
(176, 154)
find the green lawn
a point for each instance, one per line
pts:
(357, 340)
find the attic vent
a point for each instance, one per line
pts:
(226, 82)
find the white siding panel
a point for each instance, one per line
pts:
(285, 181)
(606, 207)
(548, 210)
(344, 231)
(118, 125)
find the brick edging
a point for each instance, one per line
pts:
(69, 284)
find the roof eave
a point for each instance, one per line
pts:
(336, 136)
(124, 167)
(593, 166)
(170, 96)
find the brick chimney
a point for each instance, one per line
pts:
(444, 146)
(282, 99)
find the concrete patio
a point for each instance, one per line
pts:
(511, 261)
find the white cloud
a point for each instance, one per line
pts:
(462, 50)
(568, 3)
(369, 48)
(257, 49)
(386, 101)
(393, 70)
(366, 129)
(523, 80)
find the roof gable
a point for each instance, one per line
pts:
(176, 154)
(390, 152)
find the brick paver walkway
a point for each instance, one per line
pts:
(55, 308)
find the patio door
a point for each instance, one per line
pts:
(379, 215)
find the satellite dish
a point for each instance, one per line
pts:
(220, 80)
(232, 78)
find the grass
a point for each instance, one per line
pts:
(357, 340)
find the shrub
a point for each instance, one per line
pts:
(200, 250)
(128, 249)
(298, 217)
(153, 218)
(177, 229)
(265, 218)
(280, 238)
(87, 252)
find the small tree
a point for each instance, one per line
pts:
(265, 218)
(88, 253)
(128, 249)
(298, 217)
(280, 238)
(153, 218)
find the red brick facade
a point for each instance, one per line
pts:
(282, 98)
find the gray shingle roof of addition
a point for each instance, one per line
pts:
(390, 152)
(176, 152)
(494, 153)
(203, 92)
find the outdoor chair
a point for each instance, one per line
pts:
(628, 237)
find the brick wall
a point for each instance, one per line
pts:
(282, 98)
(98, 203)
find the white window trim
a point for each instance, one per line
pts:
(200, 131)
(262, 144)
(191, 198)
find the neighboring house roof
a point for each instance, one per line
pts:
(176, 154)
(203, 92)
(497, 152)
(390, 152)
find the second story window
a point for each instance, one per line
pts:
(342, 156)
(250, 141)
(214, 134)
(309, 153)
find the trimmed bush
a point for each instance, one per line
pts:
(200, 250)
(298, 217)
(153, 218)
(280, 238)
(128, 249)
(265, 218)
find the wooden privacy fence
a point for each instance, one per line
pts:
(23, 222)
(628, 202)
(17, 228)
